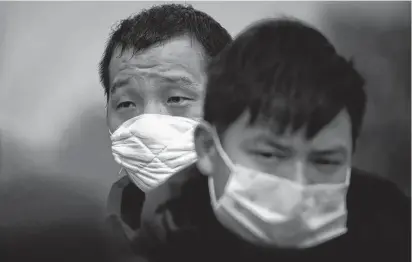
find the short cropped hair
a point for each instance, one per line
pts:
(284, 72)
(159, 24)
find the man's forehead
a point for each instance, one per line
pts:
(180, 50)
(178, 53)
(336, 132)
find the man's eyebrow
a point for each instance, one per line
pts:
(276, 145)
(262, 139)
(184, 82)
(182, 79)
(119, 83)
(332, 151)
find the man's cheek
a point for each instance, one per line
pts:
(196, 110)
(114, 122)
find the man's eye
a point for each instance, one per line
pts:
(326, 162)
(268, 154)
(178, 100)
(126, 104)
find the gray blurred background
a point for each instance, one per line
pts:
(56, 167)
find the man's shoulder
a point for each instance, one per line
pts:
(121, 190)
(170, 189)
(124, 204)
(169, 209)
(121, 183)
(115, 195)
(378, 208)
(373, 187)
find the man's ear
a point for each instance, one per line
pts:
(205, 149)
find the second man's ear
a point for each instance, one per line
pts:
(205, 149)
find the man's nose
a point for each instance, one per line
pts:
(153, 107)
(295, 172)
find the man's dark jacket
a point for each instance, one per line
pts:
(124, 204)
(178, 224)
(124, 208)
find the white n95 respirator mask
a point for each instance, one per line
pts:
(152, 147)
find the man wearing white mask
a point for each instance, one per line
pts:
(153, 75)
(274, 178)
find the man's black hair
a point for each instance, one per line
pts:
(159, 24)
(284, 71)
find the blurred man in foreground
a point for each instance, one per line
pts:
(274, 178)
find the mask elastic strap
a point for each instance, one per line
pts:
(226, 160)
(120, 172)
(219, 148)
(348, 176)
(212, 193)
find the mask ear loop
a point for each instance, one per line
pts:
(219, 148)
(348, 176)
(231, 166)
(119, 175)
